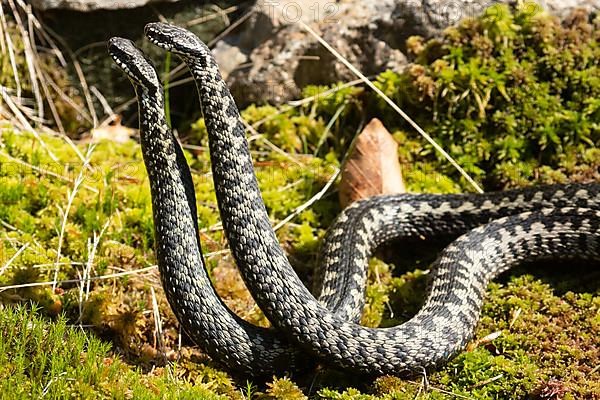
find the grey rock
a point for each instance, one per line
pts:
(428, 18)
(370, 34)
(289, 58)
(229, 57)
(91, 5)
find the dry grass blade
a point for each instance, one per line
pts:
(179, 70)
(307, 100)
(13, 258)
(86, 91)
(70, 198)
(219, 13)
(45, 171)
(72, 263)
(29, 59)
(11, 51)
(16, 112)
(181, 82)
(269, 143)
(487, 381)
(309, 203)
(310, 99)
(158, 331)
(124, 106)
(61, 93)
(67, 139)
(80, 75)
(391, 103)
(231, 27)
(69, 281)
(84, 281)
(35, 71)
(105, 106)
(51, 104)
(9, 226)
(445, 392)
(45, 37)
(43, 79)
(3, 48)
(6, 118)
(151, 268)
(24, 122)
(84, 288)
(327, 129)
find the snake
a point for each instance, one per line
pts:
(227, 338)
(495, 231)
(234, 342)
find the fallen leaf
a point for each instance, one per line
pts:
(373, 167)
(115, 132)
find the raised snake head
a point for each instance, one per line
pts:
(175, 39)
(133, 62)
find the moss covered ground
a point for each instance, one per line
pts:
(512, 95)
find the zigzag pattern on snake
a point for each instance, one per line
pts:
(563, 224)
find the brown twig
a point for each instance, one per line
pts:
(231, 27)
(79, 73)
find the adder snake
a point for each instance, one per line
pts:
(499, 230)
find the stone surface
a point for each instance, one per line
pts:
(429, 17)
(91, 5)
(284, 57)
(281, 57)
(229, 57)
(270, 57)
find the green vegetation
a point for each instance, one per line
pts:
(513, 96)
(41, 359)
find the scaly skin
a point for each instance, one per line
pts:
(223, 335)
(446, 321)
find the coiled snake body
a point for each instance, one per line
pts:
(499, 231)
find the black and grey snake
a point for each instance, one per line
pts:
(499, 231)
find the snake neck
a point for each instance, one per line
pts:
(183, 274)
(221, 115)
(245, 220)
(170, 180)
(153, 122)
(232, 165)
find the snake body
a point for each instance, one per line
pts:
(202, 314)
(499, 230)
(226, 337)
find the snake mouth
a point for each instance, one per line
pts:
(133, 62)
(174, 39)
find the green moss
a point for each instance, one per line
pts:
(283, 389)
(510, 95)
(42, 359)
